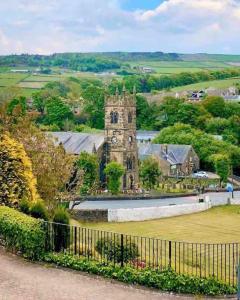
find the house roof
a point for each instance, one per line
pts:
(174, 154)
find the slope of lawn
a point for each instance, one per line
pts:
(219, 224)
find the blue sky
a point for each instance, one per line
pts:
(140, 4)
(183, 26)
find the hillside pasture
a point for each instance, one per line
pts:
(221, 84)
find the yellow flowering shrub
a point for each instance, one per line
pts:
(16, 178)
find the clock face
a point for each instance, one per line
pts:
(114, 140)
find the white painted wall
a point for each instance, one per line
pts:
(150, 213)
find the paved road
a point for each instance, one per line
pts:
(216, 198)
(22, 280)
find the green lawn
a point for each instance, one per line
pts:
(217, 225)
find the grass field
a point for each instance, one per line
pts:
(217, 225)
(171, 67)
(206, 84)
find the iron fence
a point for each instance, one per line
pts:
(199, 259)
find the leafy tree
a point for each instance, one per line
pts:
(89, 167)
(222, 166)
(51, 165)
(57, 112)
(204, 144)
(94, 106)
(114, 172)
(19, 103)
(150, 172)
(16, 177)
(214, 105)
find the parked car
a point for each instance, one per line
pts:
(200, 174)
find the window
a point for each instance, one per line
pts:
(129, 117)
(130, 139)
(114, 117)
(129, 164)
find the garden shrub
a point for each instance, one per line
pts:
(38, 210)
(21, 233)
(111, 250)
(61, 232)
(164, 280)
(25, 206)
(16, 178)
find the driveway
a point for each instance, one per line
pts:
(23, 280)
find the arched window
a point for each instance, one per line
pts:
(114, 117)
(129, 117)
(129, 164)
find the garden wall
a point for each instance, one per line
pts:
(150, 213)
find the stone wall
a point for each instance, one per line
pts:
(86, 215)
(150, 213)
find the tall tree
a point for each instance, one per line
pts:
(114, 172)
(150, 172)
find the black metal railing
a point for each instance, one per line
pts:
(203, 260)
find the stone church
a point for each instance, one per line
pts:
(121, 142)
(121, 136)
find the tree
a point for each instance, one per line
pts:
(94, 106)
(16, 177)
(222, 166)
(114, 172)
(214, 105)
(19, 103)
(57, 112)
(89, 165)
(150, 172)
(204, 144)
(51, 165)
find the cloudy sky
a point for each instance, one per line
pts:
(186, 26)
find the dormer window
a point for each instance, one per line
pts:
(114, 117)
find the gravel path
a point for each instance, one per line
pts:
(23, 280)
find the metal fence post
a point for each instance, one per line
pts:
(122, 250)
(170, 254)
(75, 240)
(238, 281)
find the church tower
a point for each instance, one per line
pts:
(120, 134)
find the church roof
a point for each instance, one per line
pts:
(77, 142)
(174, 154)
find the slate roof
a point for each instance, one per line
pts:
(77, 142)
(176, 154)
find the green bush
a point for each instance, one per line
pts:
(21, 233)
(111, 250)
(61, 232)
(39, 211)
(165, 280)
(25, 206)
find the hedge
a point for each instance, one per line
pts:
(22, 233)
(165, 280)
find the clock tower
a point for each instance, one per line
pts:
(120, 135)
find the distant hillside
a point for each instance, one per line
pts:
(209, 57)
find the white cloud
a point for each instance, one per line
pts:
(101, 25)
